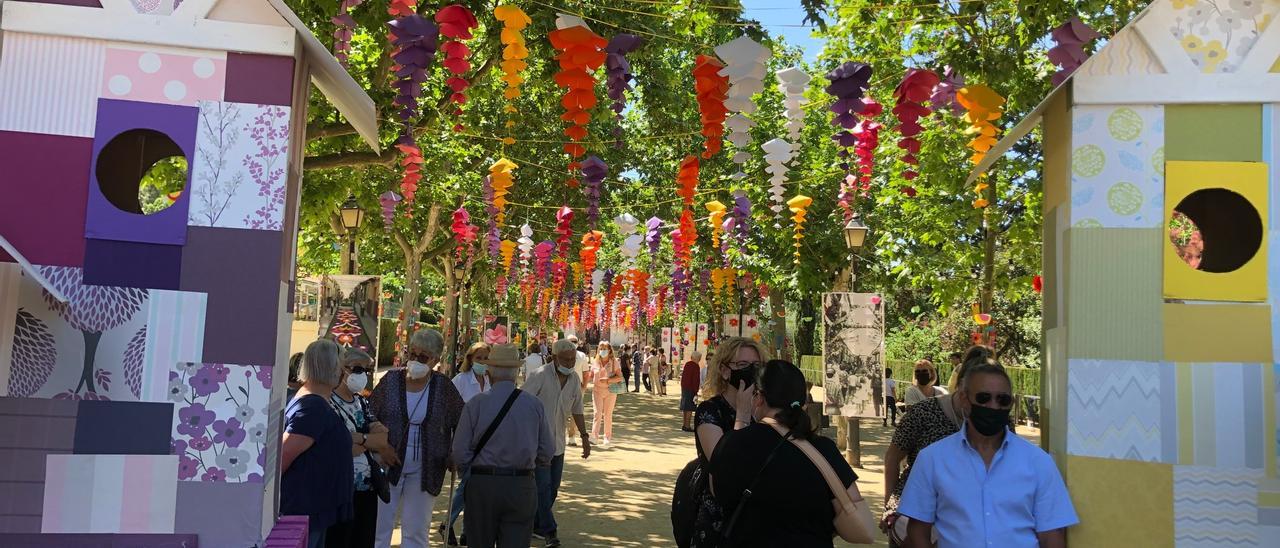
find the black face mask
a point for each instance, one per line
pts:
(737, 376)
(923, 377)
(988, 421)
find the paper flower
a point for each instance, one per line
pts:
(1069, 54)
(388, 201)
(653, 235)
(508, 255)
(411, 162)
(848, 83)
(1037, 283)
(687, 178)
(627, 224)
(456, 23)
(501, 178)
(493, 237)
(593, 173)
(744, 61)
(716, 220)
(712, 89)
(525, 243)
(683, 238)
(867, 133)
(944, 94)
(741, 216)
(590, 247)
(639, 285)
(777, 152)
(344, 26)
(983, 105)
(413, 40)
(793, 82)
(618, 75)
(579, 52)
(514, 52)
(799, 207)
(542, 258)
(916, 87)
(463, 231)
(564, 233)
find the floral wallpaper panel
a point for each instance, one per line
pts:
(220, 421)
(1117, 166)
(238, 177)
(90, 347)
(1218, 34)
(10, 275)
(175, 333)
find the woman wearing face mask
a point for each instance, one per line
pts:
(922, 424)
(925, 385)
(421, 409)
(790, 502)
(605, 374)
(726, 406)
(472, 379)
(315, 455)
(367, 435)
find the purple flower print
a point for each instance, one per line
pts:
(187, 467)
(220, 371)
(255, 478)
(264, 376)
(214, 474)
(262, 459)
(177, 447)
(228, 432)
(193, 419)
(205, 382)
(270, 134)
(201, 443)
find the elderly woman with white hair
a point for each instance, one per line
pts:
(316, 450)
(420, 409)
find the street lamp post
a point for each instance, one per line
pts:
(352, 215)
(855, 236)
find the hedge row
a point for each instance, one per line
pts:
(1026, 381)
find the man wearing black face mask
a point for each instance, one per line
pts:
(984, 485)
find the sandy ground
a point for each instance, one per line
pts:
(621, 496)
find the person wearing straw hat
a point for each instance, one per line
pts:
(502, 437)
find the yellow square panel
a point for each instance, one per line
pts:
(1112, 496)
(1217, 333)
(1227, 204)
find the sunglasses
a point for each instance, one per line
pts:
(359, 370)
(1002, 399)
(744, 364)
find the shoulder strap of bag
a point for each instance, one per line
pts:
(824, 467)
(502, 414)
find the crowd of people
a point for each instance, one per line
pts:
(501, 422)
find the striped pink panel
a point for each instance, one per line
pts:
(110, 494)
(49, 84)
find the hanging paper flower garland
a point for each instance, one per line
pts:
(580, 53)
(542, 258)
(508, 251)
(799, 207)
(848, 84)
(744, 61)
(1069, 54)
(590, 247)
(413, 40)
(514, 52)
(618, 76)
(501, 177)
(688, 237)
(344, 27)
(456, 23)
(712, 88)
(868, 134)
(411, 163)
(916, 87)
(793, 82)
(983, 106)
(944, 95)
(564, 232)
(627, 226)
(493, 238)
(653, 236)
(388, 201)
(741, 217)
(716, 220)
(525, 242)
(687, 178)
(463, 232)
(593, 173)
(777, 153)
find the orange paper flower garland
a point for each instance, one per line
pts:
(514, 51)
(712, 89)
(799, 208)
(580, 53)
(983, 106)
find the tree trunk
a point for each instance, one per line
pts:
(989, 249)
(90, 354)
(778, 308)
(451, 301)
(807, 330)
(409, 305)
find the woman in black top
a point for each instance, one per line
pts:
(791, 503)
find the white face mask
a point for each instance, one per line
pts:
(479, 368)
(417, 369)
(604, 353)
(356, 383)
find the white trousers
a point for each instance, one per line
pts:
(414, 506)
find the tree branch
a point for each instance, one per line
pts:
(350, 159)
(433, 226)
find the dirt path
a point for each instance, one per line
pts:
(621, 496)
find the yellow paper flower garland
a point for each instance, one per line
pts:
(983, 106)
(514, 51)
(799, 207)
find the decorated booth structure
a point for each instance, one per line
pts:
(1161, 278)
(143, 344)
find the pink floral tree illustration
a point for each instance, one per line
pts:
(270, 133)
(34, 355)
(216, 181)
(92, 309)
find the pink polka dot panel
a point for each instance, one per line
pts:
(163, 77)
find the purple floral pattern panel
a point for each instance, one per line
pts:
(220, 421)
(86, 348)
(238, 178)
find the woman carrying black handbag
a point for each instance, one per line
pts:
(368, 436)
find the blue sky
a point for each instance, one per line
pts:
(782, 18)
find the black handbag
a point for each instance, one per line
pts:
(377, 475)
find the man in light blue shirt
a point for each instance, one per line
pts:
(984, 485)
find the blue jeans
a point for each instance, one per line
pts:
(548, 477)
(455, 507)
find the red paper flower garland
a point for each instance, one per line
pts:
(456, 23)
(916, 87)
